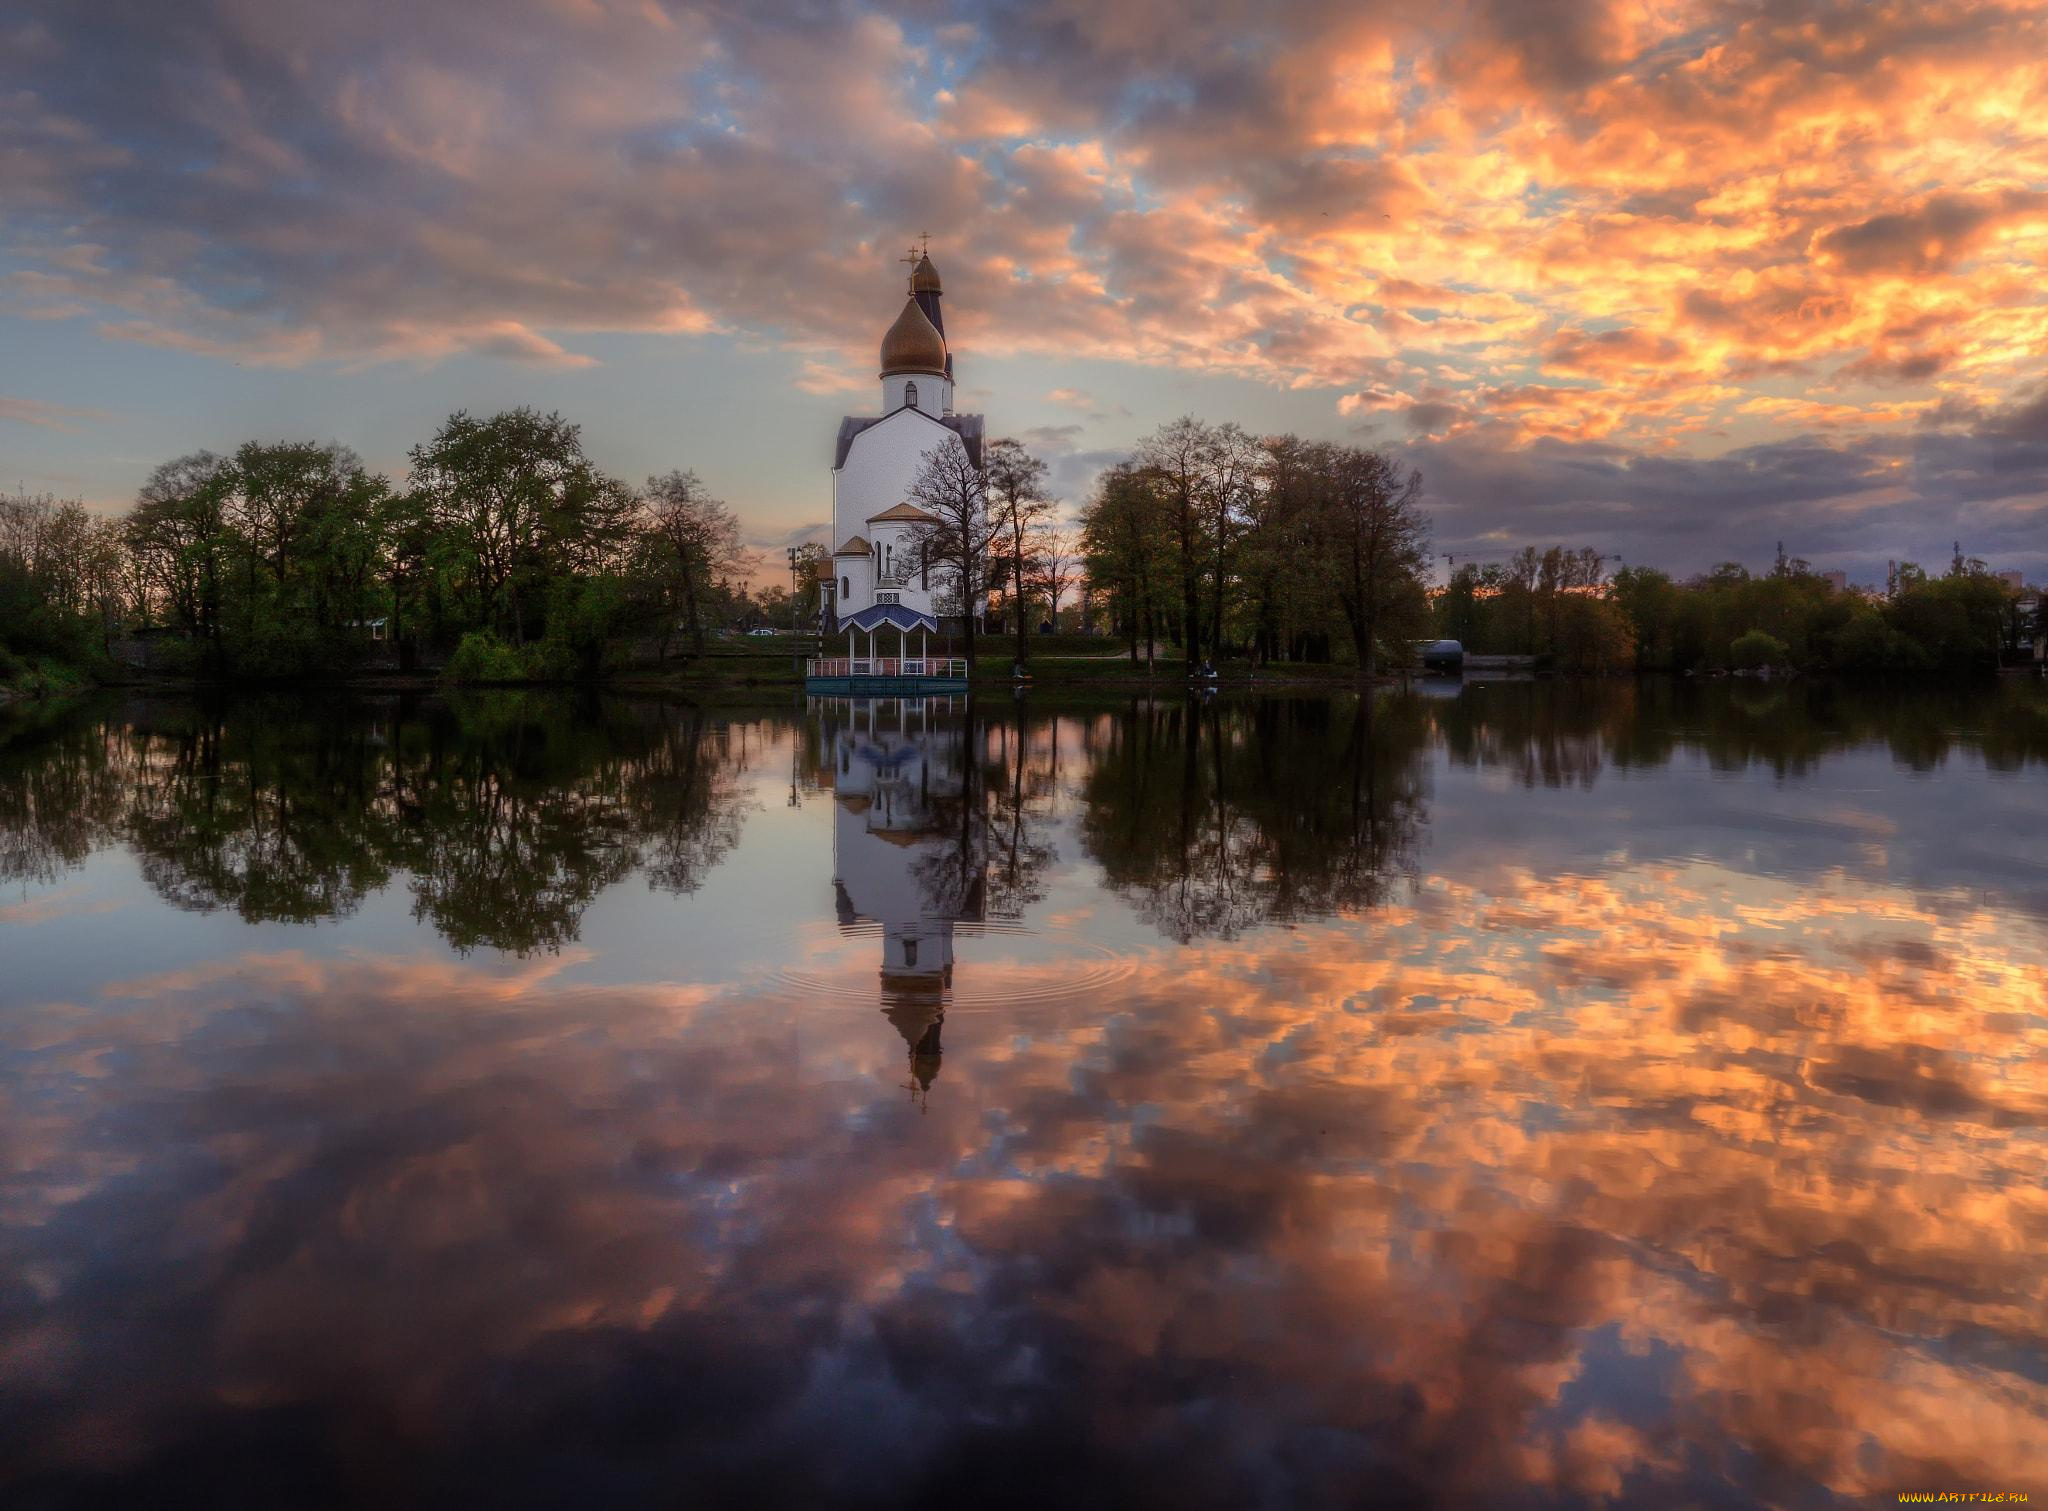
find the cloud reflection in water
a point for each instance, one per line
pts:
(1661, 1178)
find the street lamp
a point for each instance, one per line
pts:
(795, 606)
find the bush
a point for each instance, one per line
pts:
(483, 658)
(1758, 648)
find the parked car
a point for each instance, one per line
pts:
(764, 630)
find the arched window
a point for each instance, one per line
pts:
(910, 394)
(846, 587)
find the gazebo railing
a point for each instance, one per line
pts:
(886, 666)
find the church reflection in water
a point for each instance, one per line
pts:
(909, 851)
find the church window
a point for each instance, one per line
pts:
(910, 394)
(846, 587)
(910, 954)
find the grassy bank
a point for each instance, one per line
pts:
(32, 678)
(745, 664)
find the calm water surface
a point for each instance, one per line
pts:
(1517, 1096)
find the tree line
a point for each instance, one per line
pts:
(1564, 607)
(511, 555)
(508, 550)
(1215, 542)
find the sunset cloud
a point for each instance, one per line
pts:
(46, 416)
(1674, 209)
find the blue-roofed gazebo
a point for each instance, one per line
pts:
(912, 670)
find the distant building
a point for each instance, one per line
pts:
(2014, 579)
(1839, 581)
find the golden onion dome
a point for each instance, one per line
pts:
(913, 345)
(924, 278)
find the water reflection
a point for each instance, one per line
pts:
(1488, 1108)
(909, 851)
(506, 814)
(1218, 818)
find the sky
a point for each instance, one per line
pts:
(1677, 280)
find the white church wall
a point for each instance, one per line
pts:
(858, 579)
(881, 465)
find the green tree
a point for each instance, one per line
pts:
(1459, 612)
(518, 506)
(1178, 458)
(62, 593)
(1372, 540)
(691, 539)
(1232, 464)
(1648, 599)
(1287, 608)
(183, 543)
(1126, 549)
(1593, 636)
(306, 526)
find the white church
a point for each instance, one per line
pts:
(875, 589)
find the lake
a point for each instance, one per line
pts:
(1520, 1094)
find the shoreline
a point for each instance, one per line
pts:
(1229, 678)
(720, 683)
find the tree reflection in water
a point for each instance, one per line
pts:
(1495, 1159)
(507, 813)
(1217, 818)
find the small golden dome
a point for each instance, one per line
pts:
(924, 278)
(913, 345)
